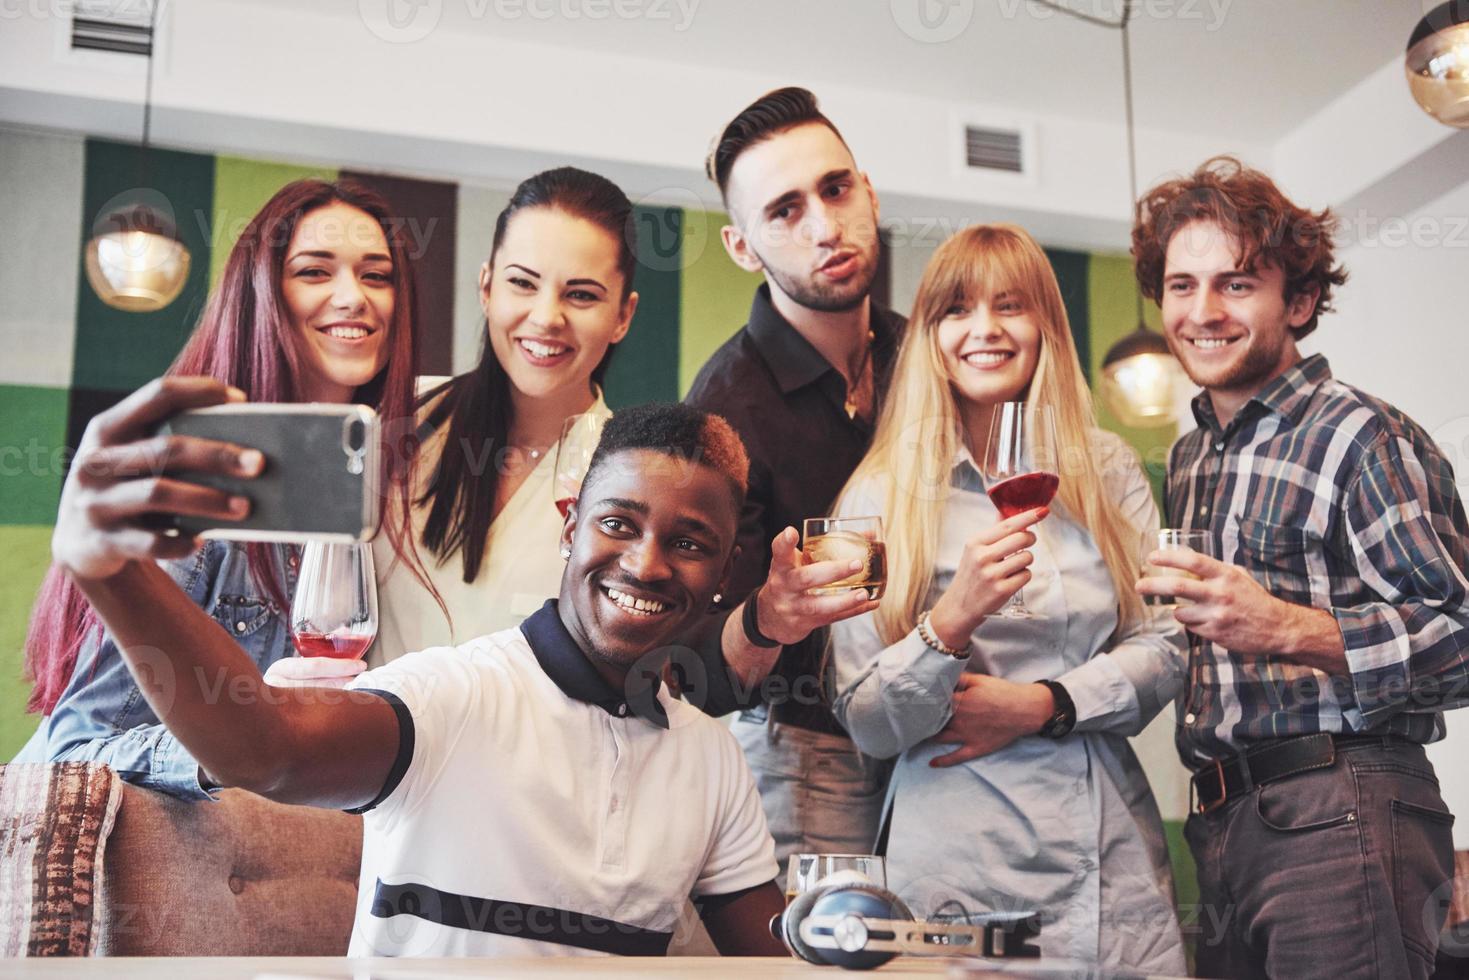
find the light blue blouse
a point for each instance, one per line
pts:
(1069, 826)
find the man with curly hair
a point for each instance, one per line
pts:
(1332, 629)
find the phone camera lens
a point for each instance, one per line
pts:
(356, 436)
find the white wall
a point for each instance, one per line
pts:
(1401, 334)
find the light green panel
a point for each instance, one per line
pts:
(27, 551)
(1113, 314)
(716, 294)
(241, 188)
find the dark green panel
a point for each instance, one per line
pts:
(645, 367)
(1073, 273)
(33, 453)
(119, 351)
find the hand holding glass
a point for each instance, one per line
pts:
(848, 539)
(1177, 539)
(334, 613)
(1019, 469)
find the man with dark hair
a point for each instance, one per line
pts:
(530, 793)
(801, 383)
(1333, 629)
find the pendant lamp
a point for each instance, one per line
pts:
(1437, 63)
(135, 260)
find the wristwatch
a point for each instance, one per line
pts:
(1060, 723)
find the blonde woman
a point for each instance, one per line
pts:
(986, 813)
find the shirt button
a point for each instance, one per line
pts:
(293, 561)
(240, 626)
(1190, 718)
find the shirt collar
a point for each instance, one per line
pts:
(1286, 396)
(792, 359)
(567, 666)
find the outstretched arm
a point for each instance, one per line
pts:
(325, 748)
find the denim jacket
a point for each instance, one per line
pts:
(102, 715)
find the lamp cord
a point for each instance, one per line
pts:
(1120, 25)
(148, 84)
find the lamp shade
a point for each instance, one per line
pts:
(1141, 380)
(1437, 63)
(135, 260)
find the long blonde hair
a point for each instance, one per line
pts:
(920, 430)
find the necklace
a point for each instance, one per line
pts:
(855, 389)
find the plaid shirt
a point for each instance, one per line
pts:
(1333, 499)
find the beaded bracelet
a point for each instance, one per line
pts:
(926, 634)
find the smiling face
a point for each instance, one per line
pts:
(552, 296)
(338, 290)
(651, 541)
(806, 217)
(990, 350)
(1229, 328)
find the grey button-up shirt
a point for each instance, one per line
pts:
(1067, 827)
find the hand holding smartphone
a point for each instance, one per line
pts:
(320, 482)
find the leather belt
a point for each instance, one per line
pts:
(811, 717)
(1225, 779)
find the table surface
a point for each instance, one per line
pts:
(559, 968)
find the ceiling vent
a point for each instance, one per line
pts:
(987, 148)
(112, 27)
(993, 150)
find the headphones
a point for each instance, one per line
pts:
(849, 921)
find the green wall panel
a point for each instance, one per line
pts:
(1114, 314)
(645, 367)
(241, 188)
(1072, 271)
(716, 294)
(32, 453)
(119, 351)
(27, 552)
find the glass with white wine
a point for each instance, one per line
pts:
(848, 539)
(1177, 539)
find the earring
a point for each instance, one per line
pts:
(566, 551)
(718, 598)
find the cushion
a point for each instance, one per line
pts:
(54, 825)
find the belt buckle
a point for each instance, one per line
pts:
(1207, 808)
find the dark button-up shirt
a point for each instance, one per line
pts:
(1333, 499)
(787, 402)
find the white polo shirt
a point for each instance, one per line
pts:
(534, 811)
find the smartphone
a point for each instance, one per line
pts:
(322, 475)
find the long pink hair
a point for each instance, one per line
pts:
(246, 338)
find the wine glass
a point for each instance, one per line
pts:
(334, 613)
(1019, 469)
(579, 437)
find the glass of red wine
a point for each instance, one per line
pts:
(579, 437)
(1019, 469)
(334, 613)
